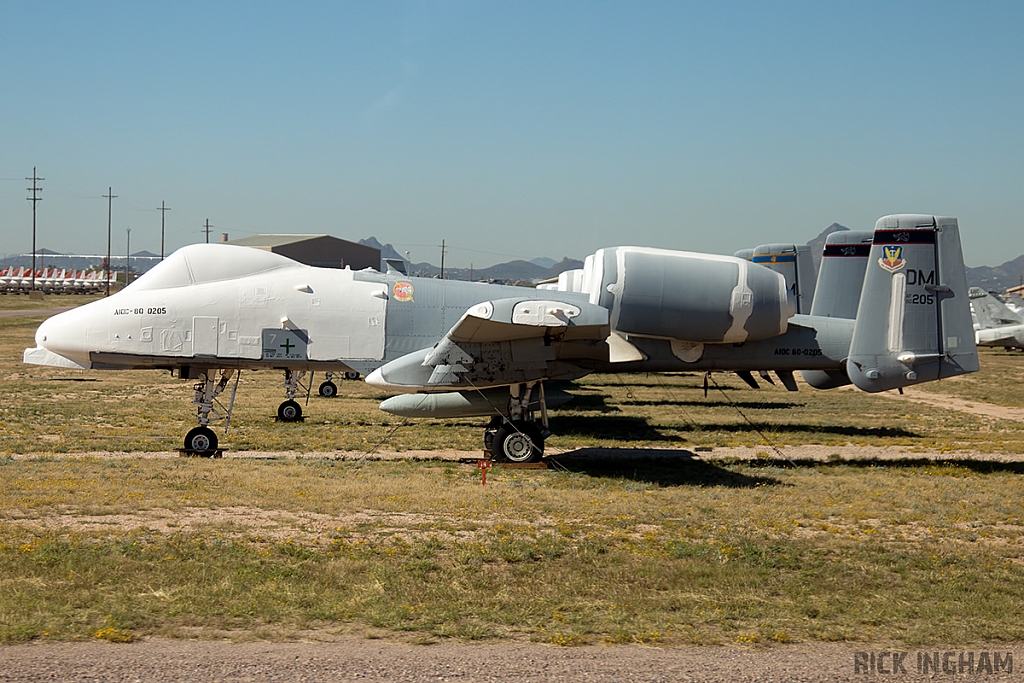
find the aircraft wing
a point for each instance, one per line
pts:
(502, 342)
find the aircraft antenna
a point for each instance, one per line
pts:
(110, 197)
(35, 199)
(163, 211)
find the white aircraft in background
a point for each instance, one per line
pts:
(998, 324)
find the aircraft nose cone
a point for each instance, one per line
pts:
(64, 335)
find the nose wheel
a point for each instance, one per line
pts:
(202, 440)
(289, 411)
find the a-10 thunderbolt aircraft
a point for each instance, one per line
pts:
(473, 349)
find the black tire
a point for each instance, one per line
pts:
(518, 441)
(289, 411)
(328, 390)
(353, 376)
(490, 430)
(201, 440)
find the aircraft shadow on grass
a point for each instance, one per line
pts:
(660, 467)
(591, 403)
(629, 428)
(754, 405)
(974, 465)
(610, 428)
(679, 467)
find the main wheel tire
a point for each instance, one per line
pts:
(201, 440)
(489, 432)
(518, 441)
(353, 376)
(328, 390)
(289, 411)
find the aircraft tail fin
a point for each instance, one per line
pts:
(795, 263)
(913, 323)
(841, 274)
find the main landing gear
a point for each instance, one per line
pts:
(328, 389)
(202, 440)
(518, 438)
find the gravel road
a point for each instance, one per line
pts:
(374, 660)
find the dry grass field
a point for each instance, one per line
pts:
(646, 546)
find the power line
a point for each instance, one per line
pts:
(163, 212)
(35, 199)
(110, 196)
(128, 258)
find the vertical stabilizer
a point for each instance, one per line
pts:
(914, 320)
(795, 263)
(841, 276)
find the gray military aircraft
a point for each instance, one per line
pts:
(473, 349)
(998, 325)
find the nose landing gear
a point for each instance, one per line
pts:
(290, 410)
(202, 440)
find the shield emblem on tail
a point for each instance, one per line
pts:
(892, 258)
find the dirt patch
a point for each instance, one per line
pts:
(953, 403)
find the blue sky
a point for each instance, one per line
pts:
(515, 129)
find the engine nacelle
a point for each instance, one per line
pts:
(687, 296)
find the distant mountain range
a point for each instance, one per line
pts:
(993, 278)
(998, 278)
(541, 268)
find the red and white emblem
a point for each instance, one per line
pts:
(403, 291)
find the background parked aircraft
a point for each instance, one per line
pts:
(998, 324)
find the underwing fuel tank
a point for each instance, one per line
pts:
(465, 403)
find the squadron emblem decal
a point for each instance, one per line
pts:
(892, 258)
(403, 291)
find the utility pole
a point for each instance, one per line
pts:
(128, 258)
(110, 196)
(208, 226)
(163, 211)
(442, 259)
(35, 199)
